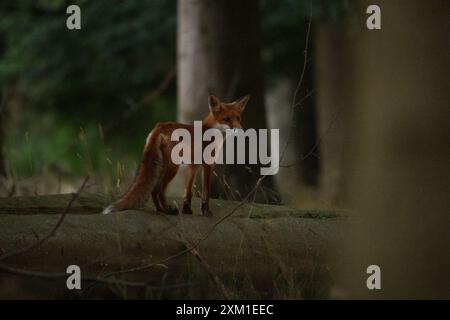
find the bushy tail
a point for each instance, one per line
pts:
(147, 177)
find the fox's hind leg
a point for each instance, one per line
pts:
(170, 173)
(155, 198)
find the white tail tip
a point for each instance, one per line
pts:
(108, 209)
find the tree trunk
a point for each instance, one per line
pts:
(262, 251)
(219, 53)
(397, 159)
(333, 92)
(3, 173)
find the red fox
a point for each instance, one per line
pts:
(157, 169)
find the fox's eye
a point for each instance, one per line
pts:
(227, 119)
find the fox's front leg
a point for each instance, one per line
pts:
(191, 172)
(206, 180)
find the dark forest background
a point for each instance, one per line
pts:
(82, 102)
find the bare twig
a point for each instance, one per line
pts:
(52, 232)
(61, 275)
(205, 266)
(163, 85)
(318, 142)
(294, 103)
(134, 107)
(147, 99)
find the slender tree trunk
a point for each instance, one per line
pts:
(2, 133)
(2, 116)
(305, 117)
(332, 92)
(219, 53)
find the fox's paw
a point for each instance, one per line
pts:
(186, 208)
(171, 211)
(205, 210)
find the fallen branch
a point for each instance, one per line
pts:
(52, 232)
(91, 242)
(61, 275)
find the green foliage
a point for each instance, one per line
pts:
(123, 50)
(69, 80)
(48, 145)
(51, 145)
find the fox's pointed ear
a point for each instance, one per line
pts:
(242, 102)
(214, 103)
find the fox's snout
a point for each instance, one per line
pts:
(226, 128)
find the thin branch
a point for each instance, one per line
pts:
(318, 142)
(52, 232)
(61, 275)
(205, 266)
(305, 58)
(147, 99)
(294, 103)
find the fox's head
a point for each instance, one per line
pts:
(227, 115)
